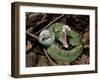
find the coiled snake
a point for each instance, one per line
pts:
(59, 48)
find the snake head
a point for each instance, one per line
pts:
(46, 37)
(63, 36)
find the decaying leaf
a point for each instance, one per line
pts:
(31, 59)
(85, 39)
(42, 61)
(83, 60)
(28, 46)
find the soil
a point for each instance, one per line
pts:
(35, 56)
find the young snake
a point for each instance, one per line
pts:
(55, 50)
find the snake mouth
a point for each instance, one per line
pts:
(63, 36)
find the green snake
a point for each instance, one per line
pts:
(56, 50)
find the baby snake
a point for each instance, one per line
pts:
(55, 50)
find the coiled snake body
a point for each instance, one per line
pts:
(56, 51)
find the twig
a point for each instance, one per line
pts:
(29, 29)
(32, 35)
(38, 23)
(45, 15)
(42, 21)
(48, 57)
(50, 23)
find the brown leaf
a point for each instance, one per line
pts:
(85, 39)
(28, 46)
(43, 61)
(83, 60)
(31, 59)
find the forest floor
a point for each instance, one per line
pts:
(35, 55)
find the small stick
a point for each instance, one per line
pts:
(50, 23)
(29, 29)
(45, 15)
(32, 35)
(49, 57)
(42, 21)
(39, 23)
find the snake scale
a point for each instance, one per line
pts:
(50, 38)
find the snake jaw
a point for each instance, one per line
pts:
(63, 37)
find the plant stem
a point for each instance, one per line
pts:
(32, 35)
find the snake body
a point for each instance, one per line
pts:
(60, 54)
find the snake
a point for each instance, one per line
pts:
(56, 50)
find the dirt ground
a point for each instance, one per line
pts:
(35, 55)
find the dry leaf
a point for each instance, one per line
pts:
(28, 46)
